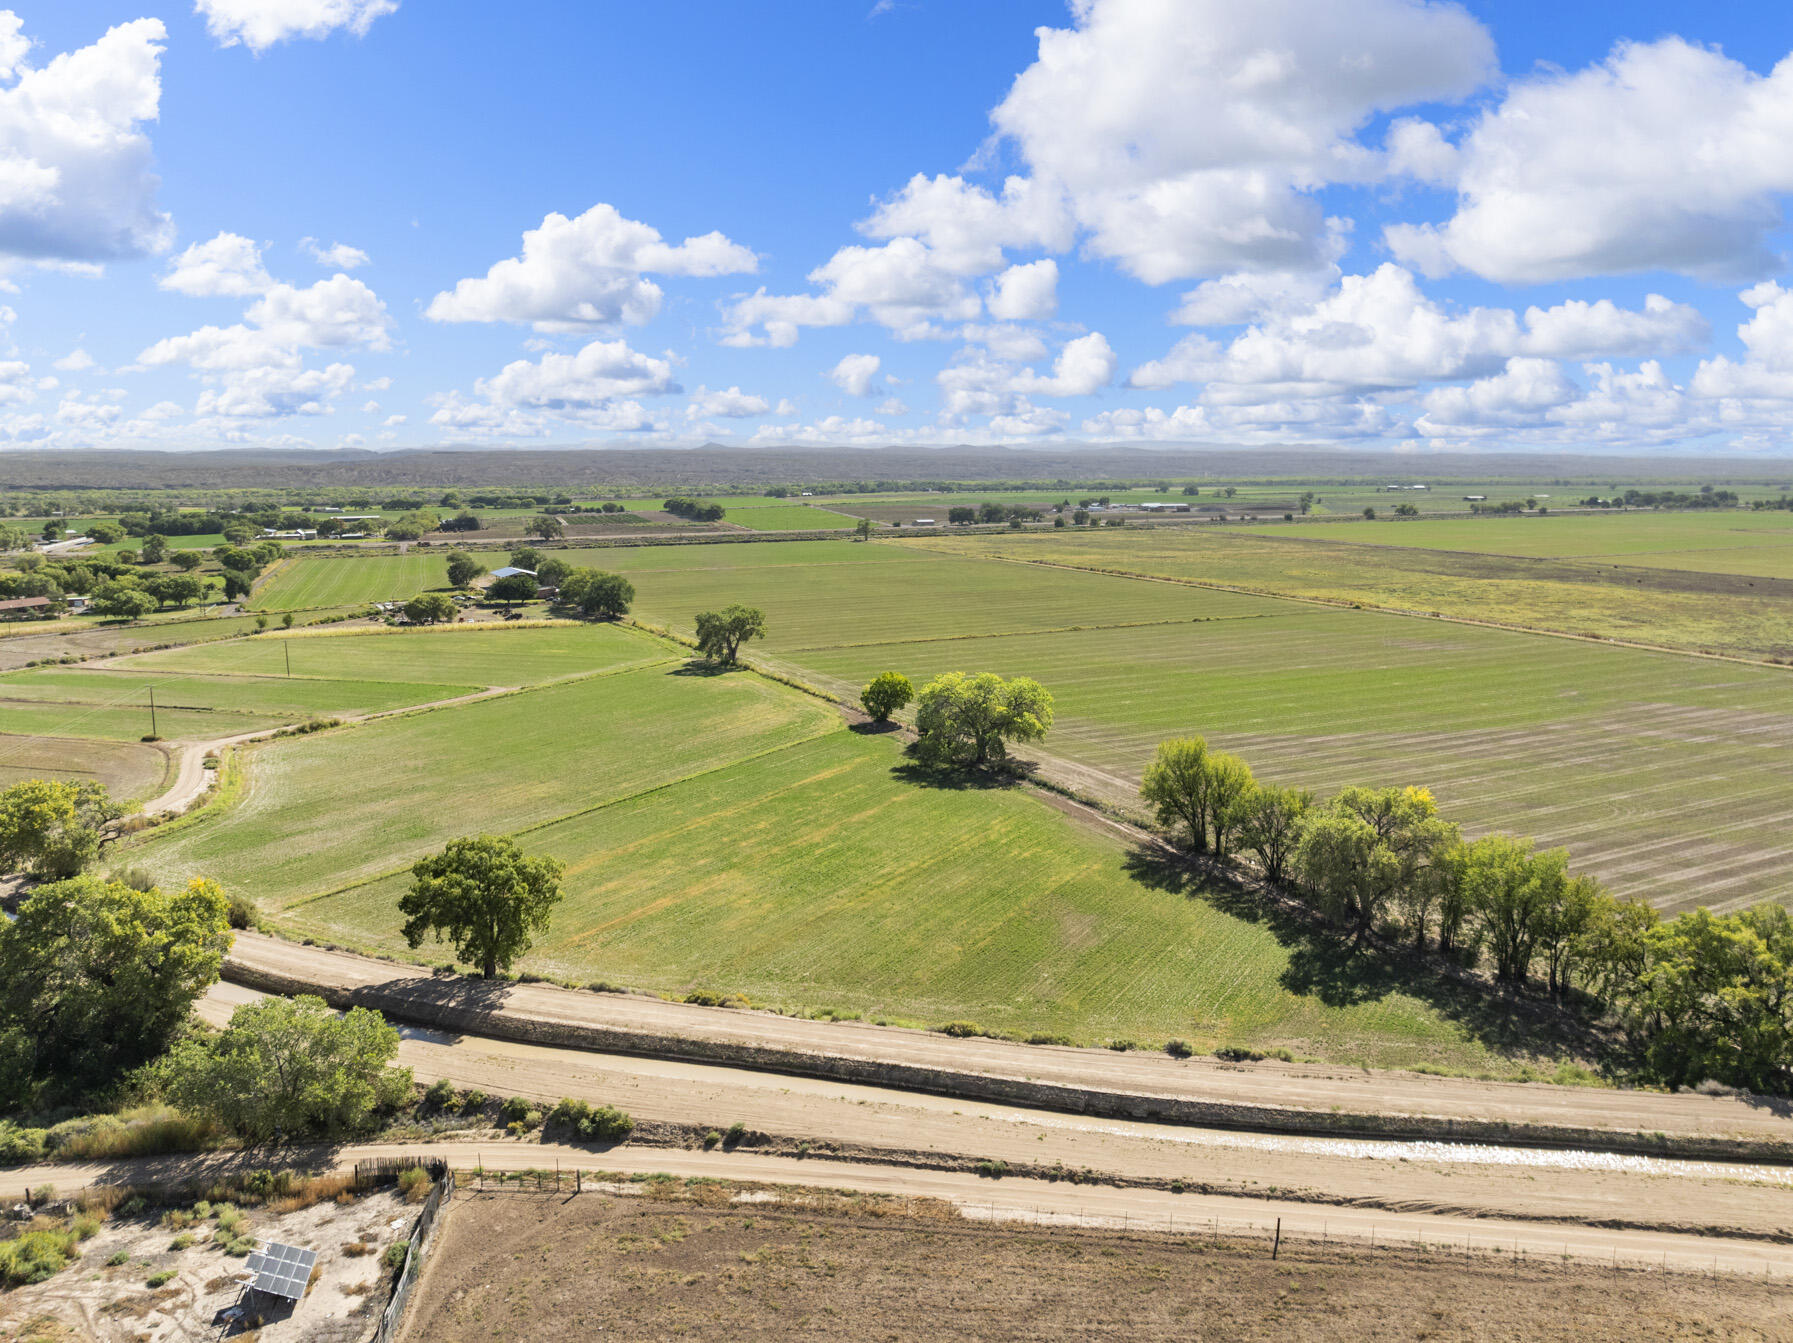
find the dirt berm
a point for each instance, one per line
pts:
(1265, 1098)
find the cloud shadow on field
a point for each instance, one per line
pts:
(1326, 964)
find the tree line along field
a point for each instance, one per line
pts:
(728, 833)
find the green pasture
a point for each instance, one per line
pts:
(724, 832)
(325, 810)
(827, 594)
(349, 580)
(451, 656)
(829, 873)
(81, 638)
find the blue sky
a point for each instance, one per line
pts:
(1385, 223)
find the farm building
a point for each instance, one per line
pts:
(20, 607)
(510, 569)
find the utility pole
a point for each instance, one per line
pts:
(152, 711)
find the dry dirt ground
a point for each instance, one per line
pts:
(714, 1263)
(113, 1304)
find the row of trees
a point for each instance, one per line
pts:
(1701, 996)
(694, 510)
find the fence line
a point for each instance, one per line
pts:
(422, 1236)
(1488, 1246)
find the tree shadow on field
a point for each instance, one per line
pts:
(921, 772)
(1330, 965)
(868, 728)
(448, 1003)
(705, 667)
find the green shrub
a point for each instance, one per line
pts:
(1121, 1046)
(711, 1139)
(119, 1259)
(472, 1101)
(604, 1123)
(961, 1029)
(230, 1217)
(161, 1279)
(184, 1241)
(20, 1146)
(414, 1184)
(1177, 1049)
(85, 1228)
(243, 913)
(440, 1094)
(35, 1256)
(736, 1132)
(514, 1110)
(992, 1170)
(1042, 1038)
(395, 1254)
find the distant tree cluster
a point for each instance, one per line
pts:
(994, 513)
(600, 595)
(972, 719)
(1700, 997)
(694, 510)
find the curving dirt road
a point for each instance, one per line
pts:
(1316, 1090)
(192, 777)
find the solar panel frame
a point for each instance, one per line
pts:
(282, 1270)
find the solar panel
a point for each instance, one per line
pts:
(282, 1270)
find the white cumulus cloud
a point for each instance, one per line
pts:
(76, 179)
(228, 265)
(260, 24)
(1664, 156)
(854, 374)
(586, 273)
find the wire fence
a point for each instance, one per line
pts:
(1278, 1235)
(422, 1235)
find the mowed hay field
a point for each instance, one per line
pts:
(130, 771)
(305, 581)
(728, 833)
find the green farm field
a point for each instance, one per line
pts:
(1669, 608)
(725, 832)
(97, 702)
(1727, 541)
(1574, 742)
(497, 765)
(449, 655)
(349, 580)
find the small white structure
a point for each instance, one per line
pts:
(509, 571)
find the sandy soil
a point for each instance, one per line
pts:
(708, 1266)
(92, 1300)
(1320, 1088)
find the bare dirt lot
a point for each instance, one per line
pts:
(97, 1298)
(716, 1263)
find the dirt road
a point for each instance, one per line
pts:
(1260, 1095)
(904, 1128)
(1044, 1201)
(192, 778)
